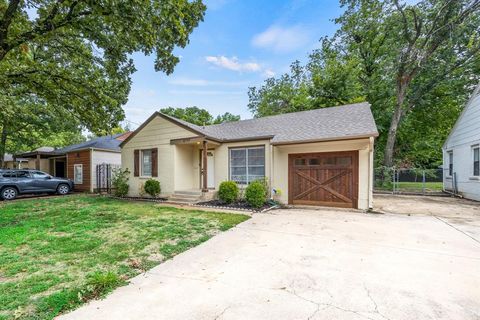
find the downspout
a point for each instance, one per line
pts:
(371, 173)
(271, 171)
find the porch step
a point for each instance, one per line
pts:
(186, 196)
(197, 193)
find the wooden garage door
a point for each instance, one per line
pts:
(327, 179)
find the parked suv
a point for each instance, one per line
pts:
(19, 181)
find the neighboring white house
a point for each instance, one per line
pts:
(461, 152)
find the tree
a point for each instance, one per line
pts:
(418, 46)
(72, 57)
(401, 59)
(198, 116)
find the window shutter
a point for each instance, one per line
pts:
(136, 167)
(155, 162)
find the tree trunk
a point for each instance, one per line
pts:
(395, 123)
(3, 142)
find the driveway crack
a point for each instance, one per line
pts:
(452, 226)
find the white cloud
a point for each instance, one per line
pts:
(180, 81)
(233, 63)
(269, 73)
(282, 39)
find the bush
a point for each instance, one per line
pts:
(120, 182)
(152, 187)
(256, 194)
(228, 191)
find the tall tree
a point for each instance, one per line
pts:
(73, 56)
(198, 115)
(419, 45)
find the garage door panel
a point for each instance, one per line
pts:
(324, 179)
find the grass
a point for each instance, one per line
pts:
(58, 253)
(413, 186)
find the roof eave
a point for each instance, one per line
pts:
(353, 137)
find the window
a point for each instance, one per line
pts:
(78, 173)
(450, 163)
(39, 175)
(23, 174)
(247, 164)
(9, 174)
(146, 163)
(476, 161)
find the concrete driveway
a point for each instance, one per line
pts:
(309, 264)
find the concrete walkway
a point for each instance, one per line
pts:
(302, 264)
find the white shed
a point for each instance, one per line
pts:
(461, 152)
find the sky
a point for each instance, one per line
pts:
(239, 44)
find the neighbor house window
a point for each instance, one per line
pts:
(146, 163)
(450, 163)
(78, 173)
(476, 161)
(247, 164)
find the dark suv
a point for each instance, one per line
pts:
(19, 181)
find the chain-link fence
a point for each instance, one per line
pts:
(408, 181)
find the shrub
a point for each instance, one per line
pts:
(256, 194)
(120, 182)
(228, 191)
(152, 187)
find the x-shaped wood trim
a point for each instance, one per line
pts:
(322, 185)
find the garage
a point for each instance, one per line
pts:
(326, 179)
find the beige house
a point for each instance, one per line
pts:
(317, 157)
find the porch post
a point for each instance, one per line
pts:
(37, 162)
(204, 167)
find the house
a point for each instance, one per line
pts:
(317, 157)
(10, 162)
(79, 161)
(461, 152)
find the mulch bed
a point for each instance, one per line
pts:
(239, 205)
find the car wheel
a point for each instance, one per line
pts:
(9, 193)
(63, 189)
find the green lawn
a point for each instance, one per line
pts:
(413, 186)
(57, 253)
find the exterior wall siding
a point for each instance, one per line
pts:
(465, 135)
(156, 134)
(99, 157)
(80, 157)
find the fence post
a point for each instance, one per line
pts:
(423, 182)
(394, 180)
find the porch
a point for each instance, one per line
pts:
(194, 170)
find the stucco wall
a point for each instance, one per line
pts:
(156, 134)
(364, 147)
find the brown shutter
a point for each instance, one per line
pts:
(136, 156)
(155, 162)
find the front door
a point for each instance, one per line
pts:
(329, 179)
(210, 169)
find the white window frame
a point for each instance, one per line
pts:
(75, 166)
(475, 147)
(449, 162)
(142, 174)
(246, 148)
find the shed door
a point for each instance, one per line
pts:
(327, 179)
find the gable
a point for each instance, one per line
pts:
(467, 127)
(157, 131)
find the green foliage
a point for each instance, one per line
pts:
(256, 194)
(152, 187)
(120, 182)
(228, 191)
(198, 115)
(71, 61)
(421, 59)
